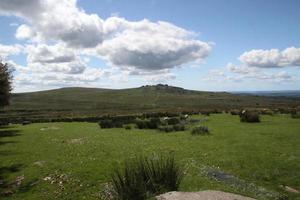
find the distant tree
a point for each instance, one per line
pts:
(5, 83)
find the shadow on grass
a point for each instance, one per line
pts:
(9, 185)
(8, 133)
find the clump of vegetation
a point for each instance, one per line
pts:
(153, 123)
(178, 127)
(108, 123)
(166, 129)
(295, 114)
(173, 121)
(234, 112)
(146, 177)
(249, 116)
(26, 123)
(194, 121)
(127, 127)
(200, 130)
(172, 128)
(267, 111)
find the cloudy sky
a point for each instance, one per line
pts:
(232, 45)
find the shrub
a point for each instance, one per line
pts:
(127, 127)
(166, 129)
(146, 177)
(249, 116)
(4, 122)
(153, 123)
(173, 121)
(295, 115)
(266, 111)
(194, 121)
(200, 130)
(178, 127)
(207, 113)
(107, 123)
(234, 112)
(26, 123)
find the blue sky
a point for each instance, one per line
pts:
(230, 28)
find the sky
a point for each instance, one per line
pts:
(211, 45)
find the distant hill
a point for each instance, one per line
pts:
(151, 98)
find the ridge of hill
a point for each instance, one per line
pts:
(78, 101)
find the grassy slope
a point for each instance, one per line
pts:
(266, 154)
(91, 102)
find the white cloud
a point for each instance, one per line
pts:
(24, 32)
(8, 50)
(149, 46)
(141, 48)
(244, 73)
(56, 58)
(273, 58)
(50, 54)
(58, 20)
(141, 44)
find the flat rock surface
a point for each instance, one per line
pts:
(203, 195)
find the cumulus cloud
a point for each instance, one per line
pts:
(141, 44)
(273, 58)
(56, 58)
(59, 79)
(150, 46)
(24, 32)
(138, 48)
(8, 50)
(244, 73)
(58, 20)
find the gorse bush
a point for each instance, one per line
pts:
(200, 130)
(295, 115)
(108, 123)
(179, 127)
(173, 121)
(249, 116)
(153, 123)
(146, 177)
(234, 112)
(127, 127)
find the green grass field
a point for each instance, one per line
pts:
(75, 160)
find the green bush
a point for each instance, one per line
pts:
(295, 115)
(146, 177)
(249, 116)
(127, 127)
(166, 129)
(173, 121)
(200, 130)
(107, 123)
(153, 123)
(26, 123)
(234, 112)
(179, 127)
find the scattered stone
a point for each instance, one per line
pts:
(39, 163)
(203, 195)
(49, 128)
(290, 189)
(19, 179)
(106, 193)
(76, 141)
(7, 193)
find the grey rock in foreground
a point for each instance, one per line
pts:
(203, 195)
